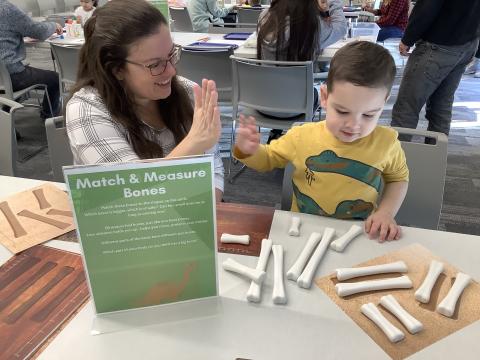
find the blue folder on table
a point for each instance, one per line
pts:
(205, 46)
(237, 36)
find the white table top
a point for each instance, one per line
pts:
(310, 326)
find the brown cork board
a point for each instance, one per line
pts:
(33, 216)
(39, 291)
(436, 326)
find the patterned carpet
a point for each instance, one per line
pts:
(461, 203)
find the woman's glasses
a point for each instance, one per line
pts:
(159, 66)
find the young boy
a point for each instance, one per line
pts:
(344, 163)
(84, 11)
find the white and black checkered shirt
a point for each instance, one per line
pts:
(96, 138)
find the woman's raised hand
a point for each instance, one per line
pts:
(206, 126)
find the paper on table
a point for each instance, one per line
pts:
(31, 217)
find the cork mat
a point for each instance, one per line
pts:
(436, 326)
(33, 216)
(39, 291)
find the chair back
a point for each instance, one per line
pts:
(181, 19)
(246, 15)
(8, 141)
(275, 86)
(213, 64)
(6, 89)
(231, 28)
(58, 146)
(427, 165)
(71, 5)
(67, 59)
(47, 7)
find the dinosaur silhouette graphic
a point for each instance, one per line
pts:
(166, 291)
(347, 209)
(329, 162)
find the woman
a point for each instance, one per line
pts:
(299, 30)
(393, 18)
(128, 103)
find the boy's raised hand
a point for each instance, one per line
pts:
(381, 224)
(247, 139)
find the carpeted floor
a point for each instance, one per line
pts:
(461, 203)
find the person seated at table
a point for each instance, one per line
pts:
(128, 103)
(393, 18)
(204, 12)
(14, 26)
(342, 165)
(84, 11)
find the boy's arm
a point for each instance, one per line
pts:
(393, 196)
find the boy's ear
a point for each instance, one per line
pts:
(323, 95)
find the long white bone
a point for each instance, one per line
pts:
(305, 279)
(448, 304)
(253, 293)
(253, 274)
(349, 273)
(423, 292)
(295, 226)
(391, 304)
(235, 239)
(345, 289)
(393, 333)
(278, 295)
(294, 272)
(341, 243)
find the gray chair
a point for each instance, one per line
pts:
(6, 88)
(427, 164)
(213, 64)
(271, 86)
(47, 7)
(8, 141)
(237, 27)
(71, 5)
(246, 15)
(58, 146)
(181, 19)
(67, 59)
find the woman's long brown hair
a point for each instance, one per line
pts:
(301, 19)
(108, 34)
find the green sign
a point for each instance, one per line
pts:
(147, 231)
(162, 5)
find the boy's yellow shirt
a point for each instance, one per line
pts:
(332, 178)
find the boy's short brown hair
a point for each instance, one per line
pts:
(362, 63)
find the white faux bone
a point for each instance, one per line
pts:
(393, 333)
(423, 292)
(350, 273)
(305, 279)
(294, 272)
(253, 293)
(253, 274)
(295, 226)
(235, 239)
(341, 243)
(345, 289)
(278, 295)
(391, 304)
(448, 304)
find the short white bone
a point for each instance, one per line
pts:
(294, 272)
(253, 293)
(235, 239)
(423, 292)
(253, 274)
(305, 279)
(448, 304)
(350, 273)
(345, 289)
(391, 304)
(341, 243)
(278, 295)
(295, 226)
(393, 333)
